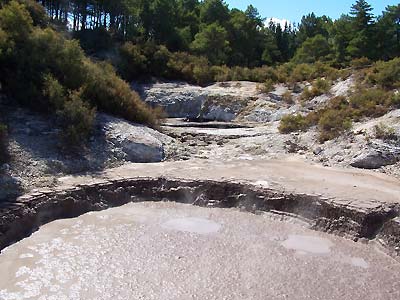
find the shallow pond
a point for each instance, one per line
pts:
(175, 251)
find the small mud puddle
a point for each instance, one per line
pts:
(193, 225)
(308, 244)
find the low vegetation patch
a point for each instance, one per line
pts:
(291, 123)
(340, 112)
(384, 132)
(136, 61)
(266, 87)
(385, 74)
(310, 72)
(3, 144)
(287, 97)
(319, 87)
(332, 124)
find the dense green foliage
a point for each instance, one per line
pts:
(41, 69)
(227, 36)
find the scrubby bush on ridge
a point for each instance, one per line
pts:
(319, 87)
(49, 73)
(340, 112)
(385, 74)
(384, 132)
(76, 118)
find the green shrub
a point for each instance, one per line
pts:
(291, 123)
(396, 99)
(370, 103)
(301, 72)
(76, 119)
(133, 63)
(332, 124)
(359, 63)
(287, 97)
(319, 87)
(109, 93)
(339, 113)
(137, 61)
(221, 73)
(159, 62)
(191, 68)
(94, 40)
(3, 143)
(202, 74)
(43, 68)
(384, 132)
(385, 74)
(308, 72)
(16, 21)
(332, 120)
(282, 73)
(263, 73)
(266, 87)
(53, 92)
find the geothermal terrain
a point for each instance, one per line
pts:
(221, 122)
(268, 201)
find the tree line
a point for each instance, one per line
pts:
(230, 36)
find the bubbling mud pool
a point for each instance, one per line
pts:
(175, 251)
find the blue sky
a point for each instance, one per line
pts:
(293, 10)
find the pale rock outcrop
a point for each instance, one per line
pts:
(217, 102)
(139, 143)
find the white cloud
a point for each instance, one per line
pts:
(278, 21)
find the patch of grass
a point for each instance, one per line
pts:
(384, 132)
(292, 123)
(287, 97)
(267, 86)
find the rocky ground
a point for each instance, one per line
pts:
(253, 132)
(224, 121)
(37, 158)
